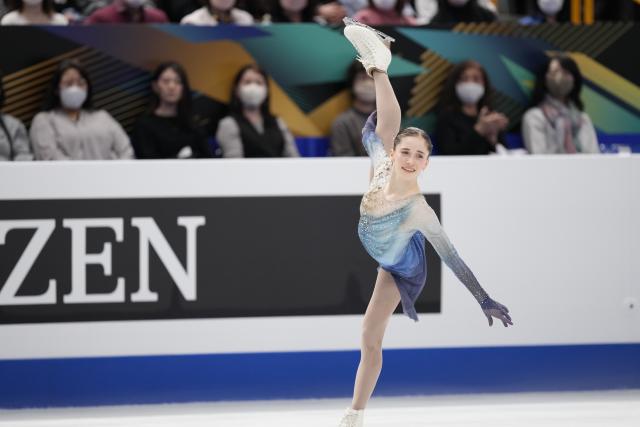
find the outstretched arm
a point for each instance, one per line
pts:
(433, 231)
(389, 113)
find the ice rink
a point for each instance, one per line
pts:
(602, 409)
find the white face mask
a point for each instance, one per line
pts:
(365, 91)
(135, 3)
(469, 92)
(73, 97)
(293, 5)
(385, 5)
(550, 7)
(223, 4)
(32, 2)
(252, 94)
(458, 3)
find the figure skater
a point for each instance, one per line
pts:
(395, 219)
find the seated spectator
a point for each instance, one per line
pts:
(14, 142)
(216, 12)
(331, 12)
(32, 12)
(385, 12)
(127, 11)
(168, 130)
(456, 11)
(69, 128)
(346, 130)
(556, 123)
(293, 11)
(426, 10)
(251, 130)
(467, 124)
(178, 9)
(548, 11)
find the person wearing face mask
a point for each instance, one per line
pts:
(548, 11)
(216, 12)
(293, 11)
(426, 10)
(14, 142)
(455, 11)
(69, 128)
(466, 123)
(556, 122)
(168, 130)
(127, 11)
(33, 12)
(385, 12)
(346, 130)
(250, 130)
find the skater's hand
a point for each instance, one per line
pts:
(493, 309)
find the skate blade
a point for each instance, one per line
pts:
(383, 36)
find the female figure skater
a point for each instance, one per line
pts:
(395, 219)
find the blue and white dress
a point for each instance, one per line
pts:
(394, 232)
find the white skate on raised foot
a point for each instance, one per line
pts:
(372, 45)
(352, 418)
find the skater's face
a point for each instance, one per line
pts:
(168, 87)
(410, 156)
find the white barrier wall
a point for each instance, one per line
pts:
(556, 239)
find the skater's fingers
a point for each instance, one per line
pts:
(490, 319)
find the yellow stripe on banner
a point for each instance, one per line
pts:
(609, 81)
(324, 114)
(589, 12)
(576, 9)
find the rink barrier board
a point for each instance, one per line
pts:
(265, 376)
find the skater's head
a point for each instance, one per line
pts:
(411, 150)
(467, 84)
(170, 87)
(559, 78)
(388, 5)
(250, 90)
(70, 88)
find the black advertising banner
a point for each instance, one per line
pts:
(176, 258)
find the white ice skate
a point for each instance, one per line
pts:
(372, 45)
(352, 418)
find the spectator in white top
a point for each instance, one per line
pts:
(69, 128)
(216, 12)
(14, 142)
(33, 12)
(556, 124)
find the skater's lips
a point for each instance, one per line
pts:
(407, 169)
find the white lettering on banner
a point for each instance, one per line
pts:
(80, 259)
(150, 235)
(44, 228)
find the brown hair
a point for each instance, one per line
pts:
(412, 131)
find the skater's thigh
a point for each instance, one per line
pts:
(384, 301)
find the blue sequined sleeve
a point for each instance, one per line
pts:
(372, 142)
(430, 226)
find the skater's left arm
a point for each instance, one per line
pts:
(432, 229)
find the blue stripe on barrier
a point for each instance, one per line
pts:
(188, 378)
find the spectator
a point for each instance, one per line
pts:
(14, 142)
(455, 11)
(69, 129)
(426, 10)
(168, 130)
(548, 11)
(127, 11)
(466, 123)
(385, 12)
(346, 130)
(293, 11)
(33, 12)
(251, 130)
(178, 9)
(216, 12)
(556, 123)
(331, 12)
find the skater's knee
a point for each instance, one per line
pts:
(371, 342)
